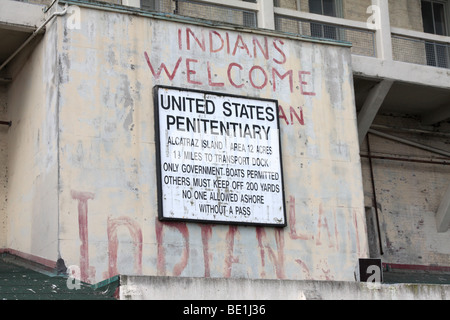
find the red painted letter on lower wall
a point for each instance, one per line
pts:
(113, 243)
(86, 273)
(277, 258)
(161, 262)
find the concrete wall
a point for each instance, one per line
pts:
(82, 170)
(170, 288)
(32, 152)
(108, 197)
(3, 168)
(408, 193)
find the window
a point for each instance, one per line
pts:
(433, 16)
(434, 21)
(326, 8)
(249, 18)
(151, 5)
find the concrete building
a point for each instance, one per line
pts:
(100, 178)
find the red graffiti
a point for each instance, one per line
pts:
(261, 74)
(230, 258)
(213, 84)
(323, 223)
(113, 244)
(292, 113)
(157, 73)
(206, 236)
(190, 72)
(228, 44)
(83, 197)
(292, 229)
(326, 271)
(288, 73)
(230, 78)
(189, 34)
(336, 233)
(267, 251)
(161, 264)
(305, 269)
(303, 83)
(276, 258)
(218, 45)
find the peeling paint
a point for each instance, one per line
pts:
(105, 75)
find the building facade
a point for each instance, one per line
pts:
(362, 92)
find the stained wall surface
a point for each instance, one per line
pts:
(3, 168)
(102, 179)
(408, 184)
(32, 160)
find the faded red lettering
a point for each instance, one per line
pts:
(201, 43)
(293, 114)
(206, 231)
(250, 74)
(180, 43)
(305, 268)
(161, 263)
(264, 51)
(299, 118)
(304, 83)
(113, 244)
(323, 223)
(86, 272)
(278, 258)
(292, 218)
(230, 258)
(161, 67)
(336, 234)
(213, 84)
(231, 65)
(281, 114)
(288, 73)
(241, 45)
(211, 42)
(190, 72)
(280, 51)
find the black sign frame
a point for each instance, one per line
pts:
(161, 215)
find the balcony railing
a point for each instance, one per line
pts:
(363, 41)
(420, 51)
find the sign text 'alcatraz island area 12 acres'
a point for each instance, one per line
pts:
(219, 158)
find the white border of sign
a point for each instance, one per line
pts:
(218, 158)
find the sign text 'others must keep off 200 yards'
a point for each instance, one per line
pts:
(219, 158)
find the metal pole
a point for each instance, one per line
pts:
(374, 196)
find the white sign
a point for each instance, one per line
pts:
(219, 158)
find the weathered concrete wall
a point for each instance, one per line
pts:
(108, 197)
(32, 153)
(3, 168)
(408, 193)
(170, 288)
